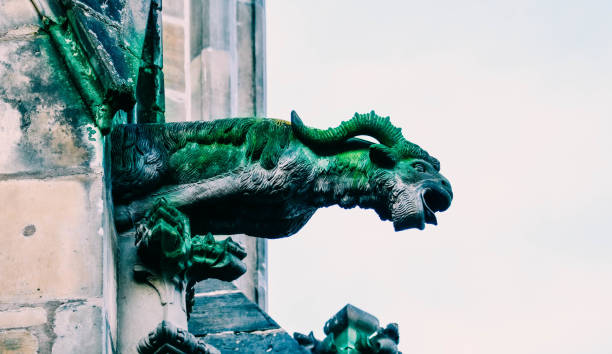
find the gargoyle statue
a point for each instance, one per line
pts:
(266, 177)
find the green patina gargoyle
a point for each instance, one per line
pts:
(164, 242)
(170, 253)
(267, 177)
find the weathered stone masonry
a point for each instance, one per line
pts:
(58, 257)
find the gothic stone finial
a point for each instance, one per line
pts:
(355, 331)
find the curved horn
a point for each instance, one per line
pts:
(361, 124)
(369, 124)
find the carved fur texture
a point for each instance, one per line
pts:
(266, 177)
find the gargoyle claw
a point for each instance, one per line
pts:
(163, 237)
(217, 259)
(164, 241)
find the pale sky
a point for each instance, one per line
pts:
(515, 99)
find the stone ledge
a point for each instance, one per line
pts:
(255, 342)
(226, 319)
(210, 285)
(228, 312)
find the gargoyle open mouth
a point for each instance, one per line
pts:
(415, 208)
(434, 200)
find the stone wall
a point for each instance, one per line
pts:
(58, 255)
(56, 260)
(214, 67)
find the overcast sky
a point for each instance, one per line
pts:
(515, 99)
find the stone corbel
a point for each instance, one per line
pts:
(165, 257)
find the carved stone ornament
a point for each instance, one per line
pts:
(170, 260)
(173, 260)
(168, 339)
(165, 243)
(267, 177)
(353, 331)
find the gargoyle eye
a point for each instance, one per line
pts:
(419, 167)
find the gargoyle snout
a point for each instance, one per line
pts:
(437, 194)
(446, 186)
(436, 199)
(417, 207)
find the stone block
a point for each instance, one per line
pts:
(196, 68)
(175, 107)
(21, 14)
(78, 328)
(174, 56)
(246, 60)
(230, 311)
(251, 59)
(174, 8)
(51, 238)
(213, 25)
(211, 85)
(259, 76)
(198, 29)
(275, 341)
(18, 342)
(23, 317)
(46, 128)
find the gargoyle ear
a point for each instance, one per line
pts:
(382, 155)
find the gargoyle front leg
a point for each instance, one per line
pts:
(163, 238)
(164, 241)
